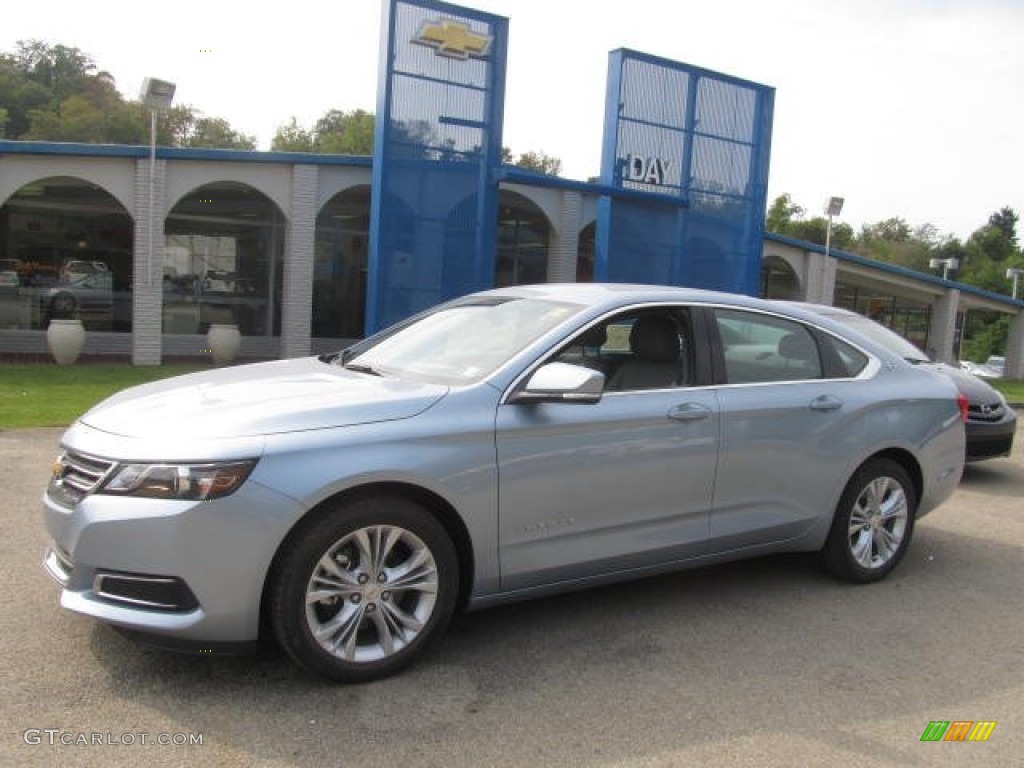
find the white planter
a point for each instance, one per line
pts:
(224, 342)
(65, 338)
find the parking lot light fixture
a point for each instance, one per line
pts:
(1014, 273)
(833, 207)
(946, 265)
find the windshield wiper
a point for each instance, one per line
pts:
(361, 368)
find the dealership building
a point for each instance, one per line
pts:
(305, 252)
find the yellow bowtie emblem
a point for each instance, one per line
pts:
(453, 39)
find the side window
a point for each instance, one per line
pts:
(761, 348)
(851, 361)
(650, 348)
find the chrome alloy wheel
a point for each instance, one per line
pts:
(372, 593)
(878, 522)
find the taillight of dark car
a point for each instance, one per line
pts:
(961, 401)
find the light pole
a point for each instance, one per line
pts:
(946, 264)
(833, 207)
(157, 95)
(1014, 273)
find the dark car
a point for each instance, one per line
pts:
(991, 423)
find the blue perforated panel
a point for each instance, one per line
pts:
(699, 141)
(438, 136)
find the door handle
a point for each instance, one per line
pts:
(826, 403)
(689, 412)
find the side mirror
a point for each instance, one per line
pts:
(561, 383)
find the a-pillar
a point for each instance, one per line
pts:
(299, 242)
(148, 263)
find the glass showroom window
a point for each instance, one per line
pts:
(339, 273)
(523, 234)
(65, 252)
(225, 243)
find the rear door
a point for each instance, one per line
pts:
(786, 400)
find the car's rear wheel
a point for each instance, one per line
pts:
(873, 523)
(359, 592)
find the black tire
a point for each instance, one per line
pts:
(369, 628)
(873, 523)
(63, 306)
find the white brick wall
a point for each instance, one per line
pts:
(562, 252)
(300, 236)
(147, 279)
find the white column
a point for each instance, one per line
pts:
(942, 332)
(1015, 348)
(147, 270)
(564, 248)
(299, 243)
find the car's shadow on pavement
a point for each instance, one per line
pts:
(999, 477)
(675, 653)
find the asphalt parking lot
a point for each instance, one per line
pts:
(763, 663)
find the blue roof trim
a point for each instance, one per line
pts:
(894, 269)
(175, 153)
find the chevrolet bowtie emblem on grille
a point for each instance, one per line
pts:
(453, 39)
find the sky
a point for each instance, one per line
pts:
(908, 108)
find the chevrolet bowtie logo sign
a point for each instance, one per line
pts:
(453, 39)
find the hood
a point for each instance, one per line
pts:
(977, 391)
(260, 399)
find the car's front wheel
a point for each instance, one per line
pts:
(360, 591)
(873, 523)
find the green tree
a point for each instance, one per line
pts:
(293, 138)
(337, 133)
(345, 133)
(781, 214)
(217, 133)
(785, 217)
(539, 162)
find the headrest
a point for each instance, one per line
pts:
(654, 337)
(594, 337)
(797, 346)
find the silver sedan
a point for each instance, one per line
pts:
(504, 445)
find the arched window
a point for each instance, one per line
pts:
(225, 243)
(778, 280)
(523, 237)
(65, 252)
(339, 274)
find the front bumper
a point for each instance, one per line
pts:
(989, 440)
(191, 571)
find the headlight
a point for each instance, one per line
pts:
(195, 482)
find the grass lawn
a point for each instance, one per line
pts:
(1012, 389)
(49, 395)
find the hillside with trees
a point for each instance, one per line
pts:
(56, 93)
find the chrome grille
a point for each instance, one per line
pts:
(987, 412)
(75, 476)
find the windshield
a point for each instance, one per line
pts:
(883, 336)
(462, 343)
